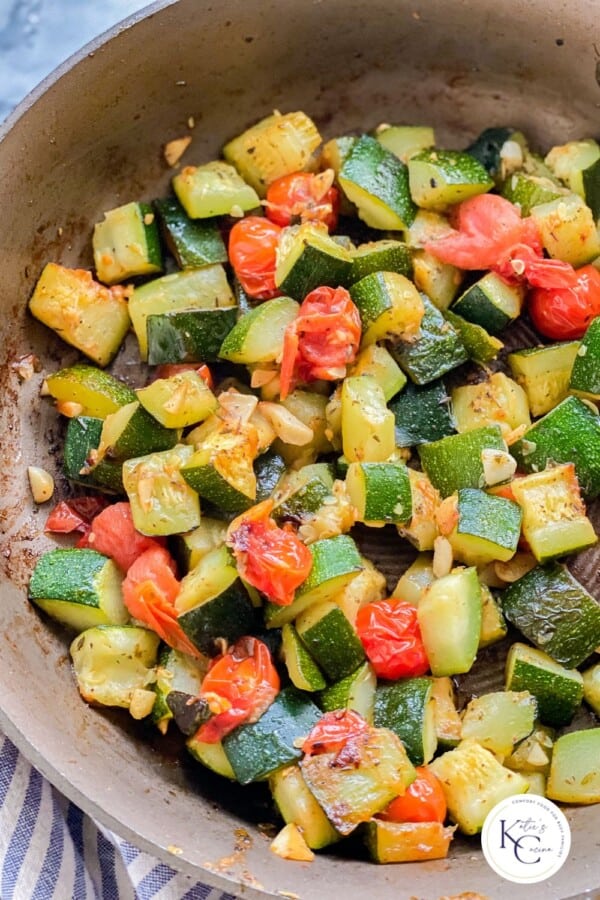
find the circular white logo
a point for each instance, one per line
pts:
(526, 838)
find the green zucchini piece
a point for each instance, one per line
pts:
(490, 303)
(406, 707)
(555, 612)
(455, 462)
(84, 313)
(330, 639)
(591, 687)
(440, 281)
(79, 588)
(161, 501)
(221, 471)
(389, 305)
(380, 256)
(131, 431)
(269, 469)
(590, 177)
(81, 439)
(558, 690)
(276, 146)
(554, 519)
(376, 181)
(380, 492)
(213, 603)
(487, 147)
(181, 400)
(493, 623)
(176, 673)
(367, 423)
(296, 804)
(336, 561)
(191, 546)
(423, 414)
(487, 528)
(356, 691)
(97, 392)
(397, 842)
(585, 374)
(474, 782)
(575, 768)
(205, 288)
(303, 670)
(413, 582)
(568, 433)
(213, 189)
(532, 755)
(126, 243)
(258, 335)
(481, 347)
(335, 151)
(448, 724)
(422, 530)
(569, 161)
(527, 191)
(375, 360)
(257, 750)
(440, 178)
(500, 719)
(212, 756)
(544, 373)
(449, 615)
(302, 491)
(405, 140)
(308, 258)
(193, 243)
(436, 350)
(351, 794)
(188, 335)
(495, 400)
(568, 229)
(114, 662)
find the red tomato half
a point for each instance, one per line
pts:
(274, 560)
(114, 534)
(423, 801)
(334, 731)
(322, 340)
(150, 589)
(239, 686)
(304, 197)
(253, 243)
(564, 314)
(391, 636)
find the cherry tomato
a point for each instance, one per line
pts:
(492, 235)
(390, 633)
(423, 801)
(113, 533)
(74, 515)
(304, 197)
(239, 686)
(253, 243)
(149, 592)
(272, 559)
(167, 370)
(564, 314)
(334, 732)
(322, 340)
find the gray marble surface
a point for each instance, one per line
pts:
(37, 35)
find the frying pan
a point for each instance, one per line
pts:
(89, 138)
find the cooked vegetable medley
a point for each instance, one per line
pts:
(324, 328)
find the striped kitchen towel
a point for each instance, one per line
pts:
(51, 850)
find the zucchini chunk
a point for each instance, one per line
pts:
(389, 305)
(405, 140)
(126, 243)
(85, 314)
(221, 471)
(407, 708)
(493, 623)
(95, 391)
(500, 719)
(498, 400)
(274, 147)
(487, 528)
(132, 431)
(181, 400)
(481, 347)
(212, 756)
(376, 181)
(188, 335)
(558, 690)
(82, 439)
(375, 360)
(591, 687)
(330, 639)
(474, 782)
(176, 673)
(449, 615)
(367, 423)
(490, 303)
(455, 462)
(568, 230)
(396, 842)
(447, 721)
(356, 691)
(302, 668)
(213, 189)
(575, 768)
(527, 190)
(422, 529)
(257, 337)
(191, 546)
(436, 349)
(380, 492)
(555, 612)
(297, 805)
(585, 374)
(423, 413)
(308, 258)
(162, 503)
(569, 162)
(349, 795)
(380, 256)
(544, 374)
(441, 178)
(413, 582)
(79, 588)
(114, 662)
(193, 243)
(532, 755)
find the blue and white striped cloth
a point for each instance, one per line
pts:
(51, 850)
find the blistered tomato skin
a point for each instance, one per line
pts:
(424, 801)
(564, 314)
(253, 244)
(304, 197)
(390, 634)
